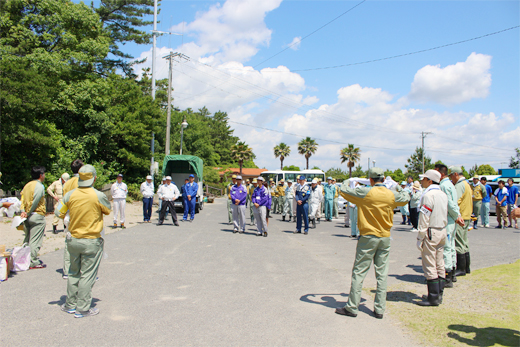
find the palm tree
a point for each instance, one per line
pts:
(307, 147)
(282, 151)
(241, 152)
(350, 154)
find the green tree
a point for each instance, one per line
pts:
(337, 173)
(358, 172)
(514, 162)
(307, 147)
(291, 168)
(240, 153)
(473, 170)
(414, 164)
(396, 175)
(282, 151)
(351, 155)
(486, 169)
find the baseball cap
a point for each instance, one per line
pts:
(454, 169)
(259, 178)
(254, 180)
(314, 180)
(289, 181)
(376, 172)
(403, 183)
(476, 176)
(164, 178)
(433, 175)
(120, 175)
(168, 178)
(234, 176)
(302, 177)
(149, 177)
(329, 178)
(239, 177)
(192, 175)
(87, 175)
(65, 177)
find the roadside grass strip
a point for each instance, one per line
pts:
(483, 309)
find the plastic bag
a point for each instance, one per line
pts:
(4, 269)
(21, 258)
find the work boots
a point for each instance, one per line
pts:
(433, 298)
(461, 265)
(54, 229)
(314, 223)
(290, 218)
(449, 279)
(283, 218)
(468, 271)
(442, 284)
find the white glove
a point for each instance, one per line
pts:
(419, 245)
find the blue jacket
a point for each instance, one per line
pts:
(302, 193)
(239, 193)
(260, 196)
(489, 192)
(191, 189)
(513, 192)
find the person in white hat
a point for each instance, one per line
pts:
(168, 193)
(56, 191)
(288, 201)
(314, 201)
(147, 191)
(260, 199)
(239, 196)
(431, 237)
(119, 192)
(227, 192)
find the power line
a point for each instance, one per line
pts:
(474, 144)
(406, 54)
(323, 26)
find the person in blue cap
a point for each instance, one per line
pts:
(302, 207)
(190, 198)
(330, 192)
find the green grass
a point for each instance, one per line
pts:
(483, 309)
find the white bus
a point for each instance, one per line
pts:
(278, 175)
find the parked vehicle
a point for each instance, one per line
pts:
(278, 175)
(179, 167)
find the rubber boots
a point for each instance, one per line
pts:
(314, 223)
(442, 285)
(433, 298)
(283, 218)
(461, 265)
(449, 279)
(468, 271)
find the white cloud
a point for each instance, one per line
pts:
(453, 84)
(295, 44)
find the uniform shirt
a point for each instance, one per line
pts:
(280, 190)
(433, 212)
(33, 198)
(71, 184)
(479, 191)
(330, 191)
(375, 207)
(250, 189)
(260, 196)
(56, 189)
(316, 195)
(147, 189)
(415, 198)
(191, 189)
(272, 191)
(500, 193)
(489, 191)
(512, 192)
(449, 189)
(168, 192)
(336, 195)
(119, 190)
(228, 190)
(86, 208)
(464, 198)
(240, 193)
(289, 192)
(302, 193)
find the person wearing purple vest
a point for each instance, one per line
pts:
(238, 195)
(260, 200)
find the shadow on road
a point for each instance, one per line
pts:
(329, 300)
(416, 268)
(340, 235)
(63, 298)
(485, 336)
(410, 278)
(400, 296)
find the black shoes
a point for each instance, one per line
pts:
(54, 229)
(305, 233)
(468, 270)
(283, 218)
(265, 233)
(344, 312)
(176, 224)
(378, 315)
(461, 265)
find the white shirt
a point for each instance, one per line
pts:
(119, 190)
(147, 189)
(168, 192)
(316, 195)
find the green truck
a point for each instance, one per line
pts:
(180, 167)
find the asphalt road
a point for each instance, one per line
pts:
(199, 284)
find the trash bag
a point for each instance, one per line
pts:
(21, 258)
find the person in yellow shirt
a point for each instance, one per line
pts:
(56, 191)
(86, 206)
(33, 208)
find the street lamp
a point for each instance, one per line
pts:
(184, 124)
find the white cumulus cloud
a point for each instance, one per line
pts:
(295, 44)
(453, 84)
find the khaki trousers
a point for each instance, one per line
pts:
(34, 228)
(55, 219)
(477, 204)
(501, 214)
(461, 238)
(433, 254)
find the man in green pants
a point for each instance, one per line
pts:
(86, 206)
(33, 208)
(375, 219)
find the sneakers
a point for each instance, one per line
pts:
(65, 277)
(92, 312)
(123, 226)
(414, 230)
(68, 310)
(487, 225)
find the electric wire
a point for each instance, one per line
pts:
(406, 54)
(323, 26)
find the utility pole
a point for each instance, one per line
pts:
(423, 135)
(368, 164)
(154, 35)
(169, 108)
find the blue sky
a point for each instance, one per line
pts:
(467, 95)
